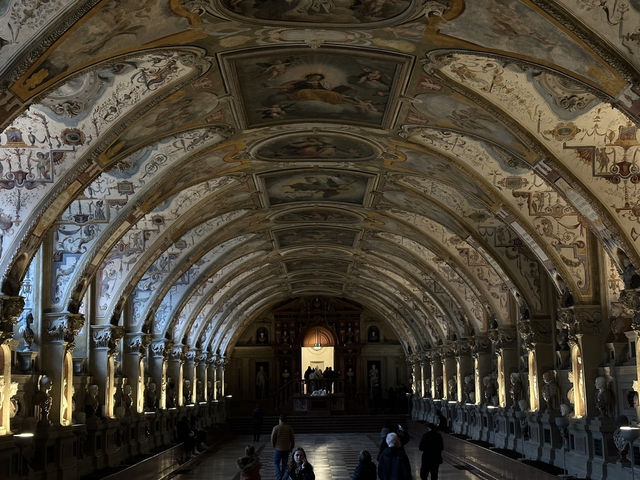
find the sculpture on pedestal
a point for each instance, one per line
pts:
(91, 401)
(150, 398)
(516, 391)
(43, 400)
(490, 391)
(452, 390)
(468, 389)
(604, 397)
(550, 390)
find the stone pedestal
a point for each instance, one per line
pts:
(551, 440)
(500, 432)
(579, 453)
(604, 451)
(533, 445)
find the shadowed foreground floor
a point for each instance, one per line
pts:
(333, 456)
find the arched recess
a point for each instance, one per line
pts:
(319, 336)
(576, 164)
(75, 157)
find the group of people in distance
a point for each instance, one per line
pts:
(393, 462)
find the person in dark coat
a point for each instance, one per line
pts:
(298, 467)
(366, 469)
(250, 464)
(431, 447)
(257, 418)
(393, 463)
(402, 432)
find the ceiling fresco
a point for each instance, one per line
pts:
(444, 163)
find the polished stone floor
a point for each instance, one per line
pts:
(333, 456)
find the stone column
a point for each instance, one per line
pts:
(448, 372)
(582, 325)
(212, 375)
(159, 352)
(175, 372)
(504, 347)
(190, 365)
(223, 364)
(135, 349)
(59, 331)
(202, 391)
(436, 373)
(464, 365)
(104, 347)
(481, 353)
(425, 368)
(10, 310)
(536, 340)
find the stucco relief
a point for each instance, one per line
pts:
(84, 224)
(558, 226)
(39, 149)
(188, 248)
(617, 21)
(511, 26)
(603, 139)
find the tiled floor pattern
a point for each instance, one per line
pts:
(333, 456)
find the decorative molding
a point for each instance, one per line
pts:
(502, 338)
(106, 336)
(161, 348)
(481, 345)
(10, 309)
(137, 343)
(580, 320)
(63, 327)
(533, 332)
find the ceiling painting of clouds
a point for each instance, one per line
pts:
(337, 12)
(311, 186)
(334, 85)
(314, 147)
(294, 237)
(315, 215)
(296, 266)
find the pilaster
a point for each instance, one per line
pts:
(536, 340)
(105, 340)
(504, 347)
(59, 331)
(135, 349)
(159, 352)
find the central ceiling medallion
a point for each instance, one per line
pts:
(339, 85)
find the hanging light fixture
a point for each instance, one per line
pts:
(318, 344)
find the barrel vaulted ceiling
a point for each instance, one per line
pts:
(196, 162)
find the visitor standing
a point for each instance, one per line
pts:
(257, 418)
(393, 463)
(431, 447)
(249, 465)
(299, 468)
(366, 469)
(283, 441)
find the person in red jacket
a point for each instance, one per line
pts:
(249, 465)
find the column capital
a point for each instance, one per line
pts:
(161, 348)
(211, 358)
(534, 331)
(179, 352)
(502, 338)
(137, 342)
(580, 320)
(63, 327)
(481, 344)
(203, 357)
(10, 310)
(462, 347)
(192, 354)
(106, 336)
